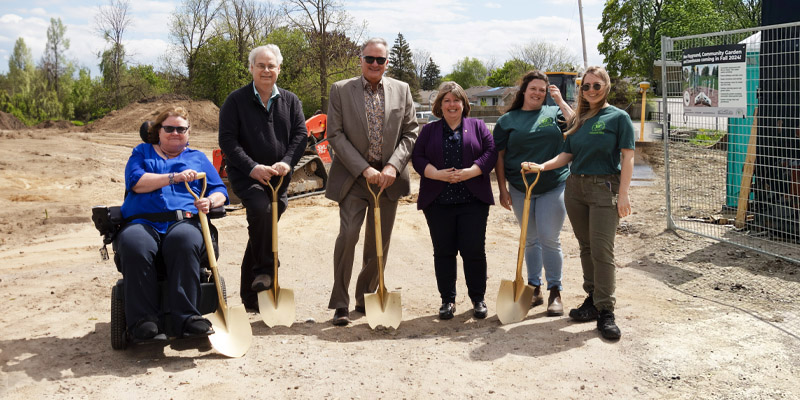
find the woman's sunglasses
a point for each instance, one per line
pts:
(371, 59)
(596, 86)
(169, 129)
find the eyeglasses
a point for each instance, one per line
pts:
(371, 59)
(262, 67)
(180, 129)
(596, 86)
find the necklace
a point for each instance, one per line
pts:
(167, 155)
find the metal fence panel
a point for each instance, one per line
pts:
(720, 167)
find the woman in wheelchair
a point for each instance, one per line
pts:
(162, 223)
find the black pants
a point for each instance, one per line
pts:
(258, 258)
(459, 228)
(180, 248)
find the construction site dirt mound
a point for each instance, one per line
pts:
(10, 122)
(61, 124)
(203, 114)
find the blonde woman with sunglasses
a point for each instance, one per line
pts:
(600, 144)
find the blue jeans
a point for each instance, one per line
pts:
(542, 244)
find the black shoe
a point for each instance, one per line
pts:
(479, 310)
(447, 310)
(144, 330)
(261, 283)
(360, 309)
(196, 326)
(341, 317)
(586, 312)
(251, 306)
(606, 325)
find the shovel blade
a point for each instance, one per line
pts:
(231, 337)
(387, 313)
(509, 309)
(280, 313)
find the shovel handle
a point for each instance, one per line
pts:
(274, 190)
(212, 259)
(378, 240)
(526, 208)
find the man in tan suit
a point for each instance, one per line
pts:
(372, 129)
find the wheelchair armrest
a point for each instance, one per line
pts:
(217, 212)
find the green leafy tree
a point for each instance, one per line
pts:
(508, 75)
(20, 68)
(218, 70)
(111, 21)
(297, 76)
(432, 76)
(739, 14)
(632, 31)
(54, 62)
(401, 64)
(468, 72)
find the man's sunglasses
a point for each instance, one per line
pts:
(371, 59)
(596, 86)
(169, 129)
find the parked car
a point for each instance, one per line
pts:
(427, 116)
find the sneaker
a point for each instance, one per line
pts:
(586, 312)
(479, 310)
(606, 325)
(447, 310)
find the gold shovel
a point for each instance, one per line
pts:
(383, 308)
(232, 331)
(514, 298)
(276, 305)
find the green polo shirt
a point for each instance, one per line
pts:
(530, 136)
(595, 147)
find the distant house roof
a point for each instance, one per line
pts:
(427, 96)
(501, 91)
(473, 91)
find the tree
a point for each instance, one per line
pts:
(20, 68)
(508, 75)
(545, 56)
(432, 76)
(420, 58)
(218, 70)
(632, 31)
(401, 65)
(739, 14)
(112, 21)
(53, 61)
(243, 22)
(324, 24)
(468, 72)
(191, 27)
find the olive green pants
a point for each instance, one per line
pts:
(591, 202)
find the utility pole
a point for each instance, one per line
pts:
(583, 36)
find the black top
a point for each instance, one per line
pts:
(452, 148)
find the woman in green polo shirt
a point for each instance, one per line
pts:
(529, 131)
(600, 144)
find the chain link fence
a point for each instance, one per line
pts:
(733, 169)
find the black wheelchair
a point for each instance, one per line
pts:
(108, 220)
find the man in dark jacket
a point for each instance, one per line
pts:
(263, 134)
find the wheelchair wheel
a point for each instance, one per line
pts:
(119, 340)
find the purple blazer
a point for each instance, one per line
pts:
(478, 149)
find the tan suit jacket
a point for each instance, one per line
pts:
(348, 135)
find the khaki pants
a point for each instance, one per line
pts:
(591, 202)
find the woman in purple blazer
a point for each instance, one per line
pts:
(454, 156)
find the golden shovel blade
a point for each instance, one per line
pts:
(387, 313)
(280, 313)
(509, 308)
(233, 338)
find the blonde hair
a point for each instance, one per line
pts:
(583, 110)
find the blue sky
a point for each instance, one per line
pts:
(449, 29)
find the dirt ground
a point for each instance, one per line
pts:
(685, 334)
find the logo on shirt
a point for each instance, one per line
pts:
(598, 128)
(546, 122)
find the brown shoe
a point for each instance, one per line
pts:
(341, 317)
(538, 299)
(554, 305)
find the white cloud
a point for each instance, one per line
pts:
(38, 11)
(492, 5)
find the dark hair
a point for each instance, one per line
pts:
(456, 90)
(519, 99)
(144, 131)
(152, 136)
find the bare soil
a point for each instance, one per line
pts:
(687, 329)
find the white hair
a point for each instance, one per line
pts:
(270, 48)
(375, 40)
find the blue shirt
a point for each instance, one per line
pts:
(275, 94)
(174, 197)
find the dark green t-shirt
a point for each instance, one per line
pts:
(530, 136)
(595, 147)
